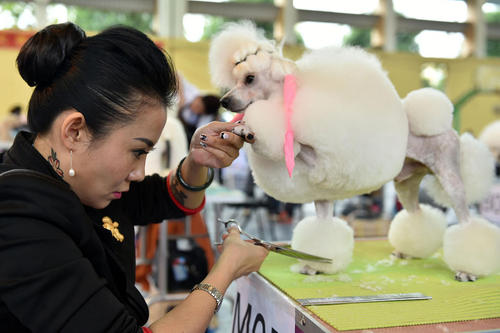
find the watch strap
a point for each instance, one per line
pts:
(214, 292)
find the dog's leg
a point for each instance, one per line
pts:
(407, 185)
(417, 230)
(324, 208)
(308, 155)
(443, 159)
(447, 171)
(441, 154)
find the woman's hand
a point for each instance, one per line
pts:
(215, 145)
(240, 257)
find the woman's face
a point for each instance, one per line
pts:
(104, 170)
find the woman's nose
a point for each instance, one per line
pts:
(137, 174)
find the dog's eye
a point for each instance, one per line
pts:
(249, 79)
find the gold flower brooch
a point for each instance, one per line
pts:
(107, 223)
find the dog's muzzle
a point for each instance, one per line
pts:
(225, 102)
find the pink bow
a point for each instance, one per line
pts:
(289, 92)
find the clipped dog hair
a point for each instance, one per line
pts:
(232, 45)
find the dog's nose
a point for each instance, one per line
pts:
(225, 102)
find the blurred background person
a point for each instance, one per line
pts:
(195, 109)
(13, 123)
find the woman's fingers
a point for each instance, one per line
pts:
(239, 129)
(225, 141)
(217, 145)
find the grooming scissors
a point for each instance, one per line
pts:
(273, 247)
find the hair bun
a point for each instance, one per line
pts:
(42, 57)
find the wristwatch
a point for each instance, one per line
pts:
(216, 294)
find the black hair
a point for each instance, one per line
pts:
(106, 77)
(212, 104)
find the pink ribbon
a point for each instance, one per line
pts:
(289, 92)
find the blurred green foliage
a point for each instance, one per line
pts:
(98, 20)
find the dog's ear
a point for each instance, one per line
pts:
(281, 67)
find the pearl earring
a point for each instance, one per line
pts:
(71, 172)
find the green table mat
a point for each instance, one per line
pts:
(374, 271)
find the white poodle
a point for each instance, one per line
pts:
(331, 126)
(490, 135)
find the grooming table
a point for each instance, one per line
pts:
(455, 306)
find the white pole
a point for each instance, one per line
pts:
(168, 18)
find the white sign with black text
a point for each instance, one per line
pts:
(261, 308)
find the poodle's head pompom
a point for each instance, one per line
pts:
(429, 111)
(232, 45)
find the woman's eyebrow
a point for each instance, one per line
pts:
(146, 141)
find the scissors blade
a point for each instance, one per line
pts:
(276, 248)
(295, 253)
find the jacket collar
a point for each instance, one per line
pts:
(22, 154)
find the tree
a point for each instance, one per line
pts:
(88, 19)
(493, 45)
(15, 9)
(358, 37)
(214, 23)
(405, 41)
(98, 20)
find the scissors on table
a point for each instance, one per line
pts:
(273, 247)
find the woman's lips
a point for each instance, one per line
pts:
(117, 195)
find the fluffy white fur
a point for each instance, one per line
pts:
(418, 234)
(326, 111)
(477, 168)
(473, 247)
(490, 136)
(429, 111)
(333, 238)
(232, 45)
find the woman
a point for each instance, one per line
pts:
(75, 187)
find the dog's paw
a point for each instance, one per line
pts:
(308, 270)
(465, 277)
(244, 131)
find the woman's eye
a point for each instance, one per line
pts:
(249, 79)
(139, 152)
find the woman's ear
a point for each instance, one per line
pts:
(73, 129)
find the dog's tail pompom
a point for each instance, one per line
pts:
(232, 44)
(418, 234)
(429, 111)
(473, 247)
(477, 169)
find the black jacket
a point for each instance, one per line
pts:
(60, 270)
